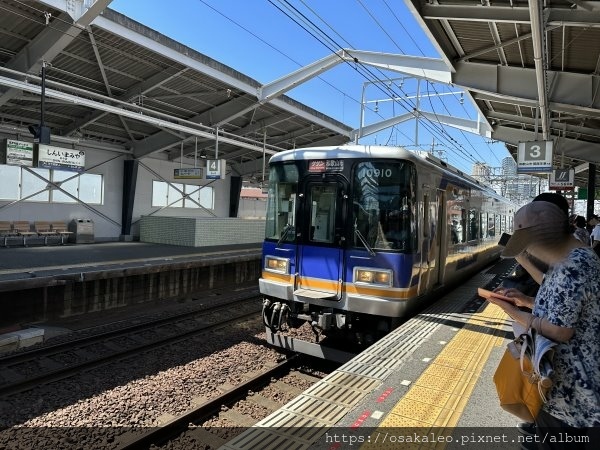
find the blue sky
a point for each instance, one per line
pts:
(261, 40)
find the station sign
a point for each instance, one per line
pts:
(188, 173)
(562, 180)
(18, 153)
(534, 157)
(215, 169)
(50, 157)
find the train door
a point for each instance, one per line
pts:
(430, 249)
(440, 238)
(322, 240)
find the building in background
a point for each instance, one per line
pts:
(505, 180)
(253, 203)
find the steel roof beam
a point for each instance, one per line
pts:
(136, 90)
(573, 148)
(559, 108)
(451, 35)
(508, 14)
(503, 44)
(54, 39)
(518, 83)
(205, 65)
(539, 57)
(410, 65)
(471, 126)
(105, 79)
(158, 122)
(559, 127)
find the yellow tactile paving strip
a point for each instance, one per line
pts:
(438, 397)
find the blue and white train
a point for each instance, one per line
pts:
(360, 237)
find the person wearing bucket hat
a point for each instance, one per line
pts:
(533, 266)
(553, 212)
(566, 309)
(535, 222)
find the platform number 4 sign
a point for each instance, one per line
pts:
(534, 157)
(213, 169)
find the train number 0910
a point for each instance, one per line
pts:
(379, 173)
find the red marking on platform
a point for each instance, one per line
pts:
(364, 416)
(335, 446)
(385, 395)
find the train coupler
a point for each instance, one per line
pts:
(274, 315)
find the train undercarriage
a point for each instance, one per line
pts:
(303, 327)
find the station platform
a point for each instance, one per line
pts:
(45, 283)
(428, 384)
(27, 267)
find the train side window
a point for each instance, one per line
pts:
(484, 223)
(426, 217)
(491, 226)
(498, 225)
(463, 226)
(473, 224)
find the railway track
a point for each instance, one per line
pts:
(180, 424)
(188, 426)
(26, 370)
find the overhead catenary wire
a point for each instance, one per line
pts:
(368, 73)
(428, 82)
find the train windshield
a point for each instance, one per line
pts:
(383, 205)
(281, 204)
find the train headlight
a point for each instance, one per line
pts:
(382, 278)
(368, 275)
(278, 265)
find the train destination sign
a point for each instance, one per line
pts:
(326, 165)
(534, 157)
(17, 153)
(49, 157)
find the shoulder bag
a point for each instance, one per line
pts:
(523, 376)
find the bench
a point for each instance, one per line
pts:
(23, 229)
(61, 229)
(44, 229)
(6, 231)
(41, 228)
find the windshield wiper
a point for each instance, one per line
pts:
(286, 230)
(362, 239)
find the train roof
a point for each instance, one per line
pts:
(342, 152)
(377, 151)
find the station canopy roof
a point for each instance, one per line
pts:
(112, 83)
(532, 67)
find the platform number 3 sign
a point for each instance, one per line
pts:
(535, 156)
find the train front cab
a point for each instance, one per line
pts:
(341, 249)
